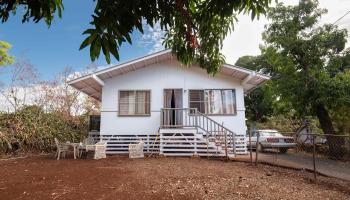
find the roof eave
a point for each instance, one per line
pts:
(98, 77)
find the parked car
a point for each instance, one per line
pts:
(271, 139)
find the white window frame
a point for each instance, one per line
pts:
(135, 114)
(206, 103)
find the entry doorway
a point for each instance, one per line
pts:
(173, 102)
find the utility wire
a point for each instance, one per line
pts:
(340, 18)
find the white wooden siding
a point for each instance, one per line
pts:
(168, 74)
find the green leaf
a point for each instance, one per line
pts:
(105, 49)
(128, 38)
(95, 48)
(90, 31)
(88, 41)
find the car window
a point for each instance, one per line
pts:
(272, 134)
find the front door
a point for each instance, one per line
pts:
(173, 107)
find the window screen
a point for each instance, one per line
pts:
(196, 100)
(213, 101)
(134, 102)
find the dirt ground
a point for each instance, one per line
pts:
(42, 177)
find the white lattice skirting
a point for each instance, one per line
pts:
(170, 142)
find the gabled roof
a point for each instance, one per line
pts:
(92, 84)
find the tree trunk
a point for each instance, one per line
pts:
(325, 119)
(335, 143)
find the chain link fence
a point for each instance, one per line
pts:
(322, 154)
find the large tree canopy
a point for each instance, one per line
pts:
(5, 58)
(260, 102)
(194, 29)
(310, 64)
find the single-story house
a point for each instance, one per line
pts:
(174, 109)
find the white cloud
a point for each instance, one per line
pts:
(246, 38)
(89, 70)
(152, 38)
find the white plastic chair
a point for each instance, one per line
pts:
(87, 145)
(61, 149)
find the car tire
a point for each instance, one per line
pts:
(283, 150)
(260, 148)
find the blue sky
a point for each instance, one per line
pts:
(52, 49)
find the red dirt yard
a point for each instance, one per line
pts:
(42, 177)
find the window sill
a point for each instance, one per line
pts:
(136, 115)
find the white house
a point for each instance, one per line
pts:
(175, 110)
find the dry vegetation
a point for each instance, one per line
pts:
(116, 177)
(37, 111)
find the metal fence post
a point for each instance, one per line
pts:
(250, 145)
(313, 156)
(257, 148)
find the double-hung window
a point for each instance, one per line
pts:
(134, 102)
(213, 101)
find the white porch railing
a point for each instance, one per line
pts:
(190, 117)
